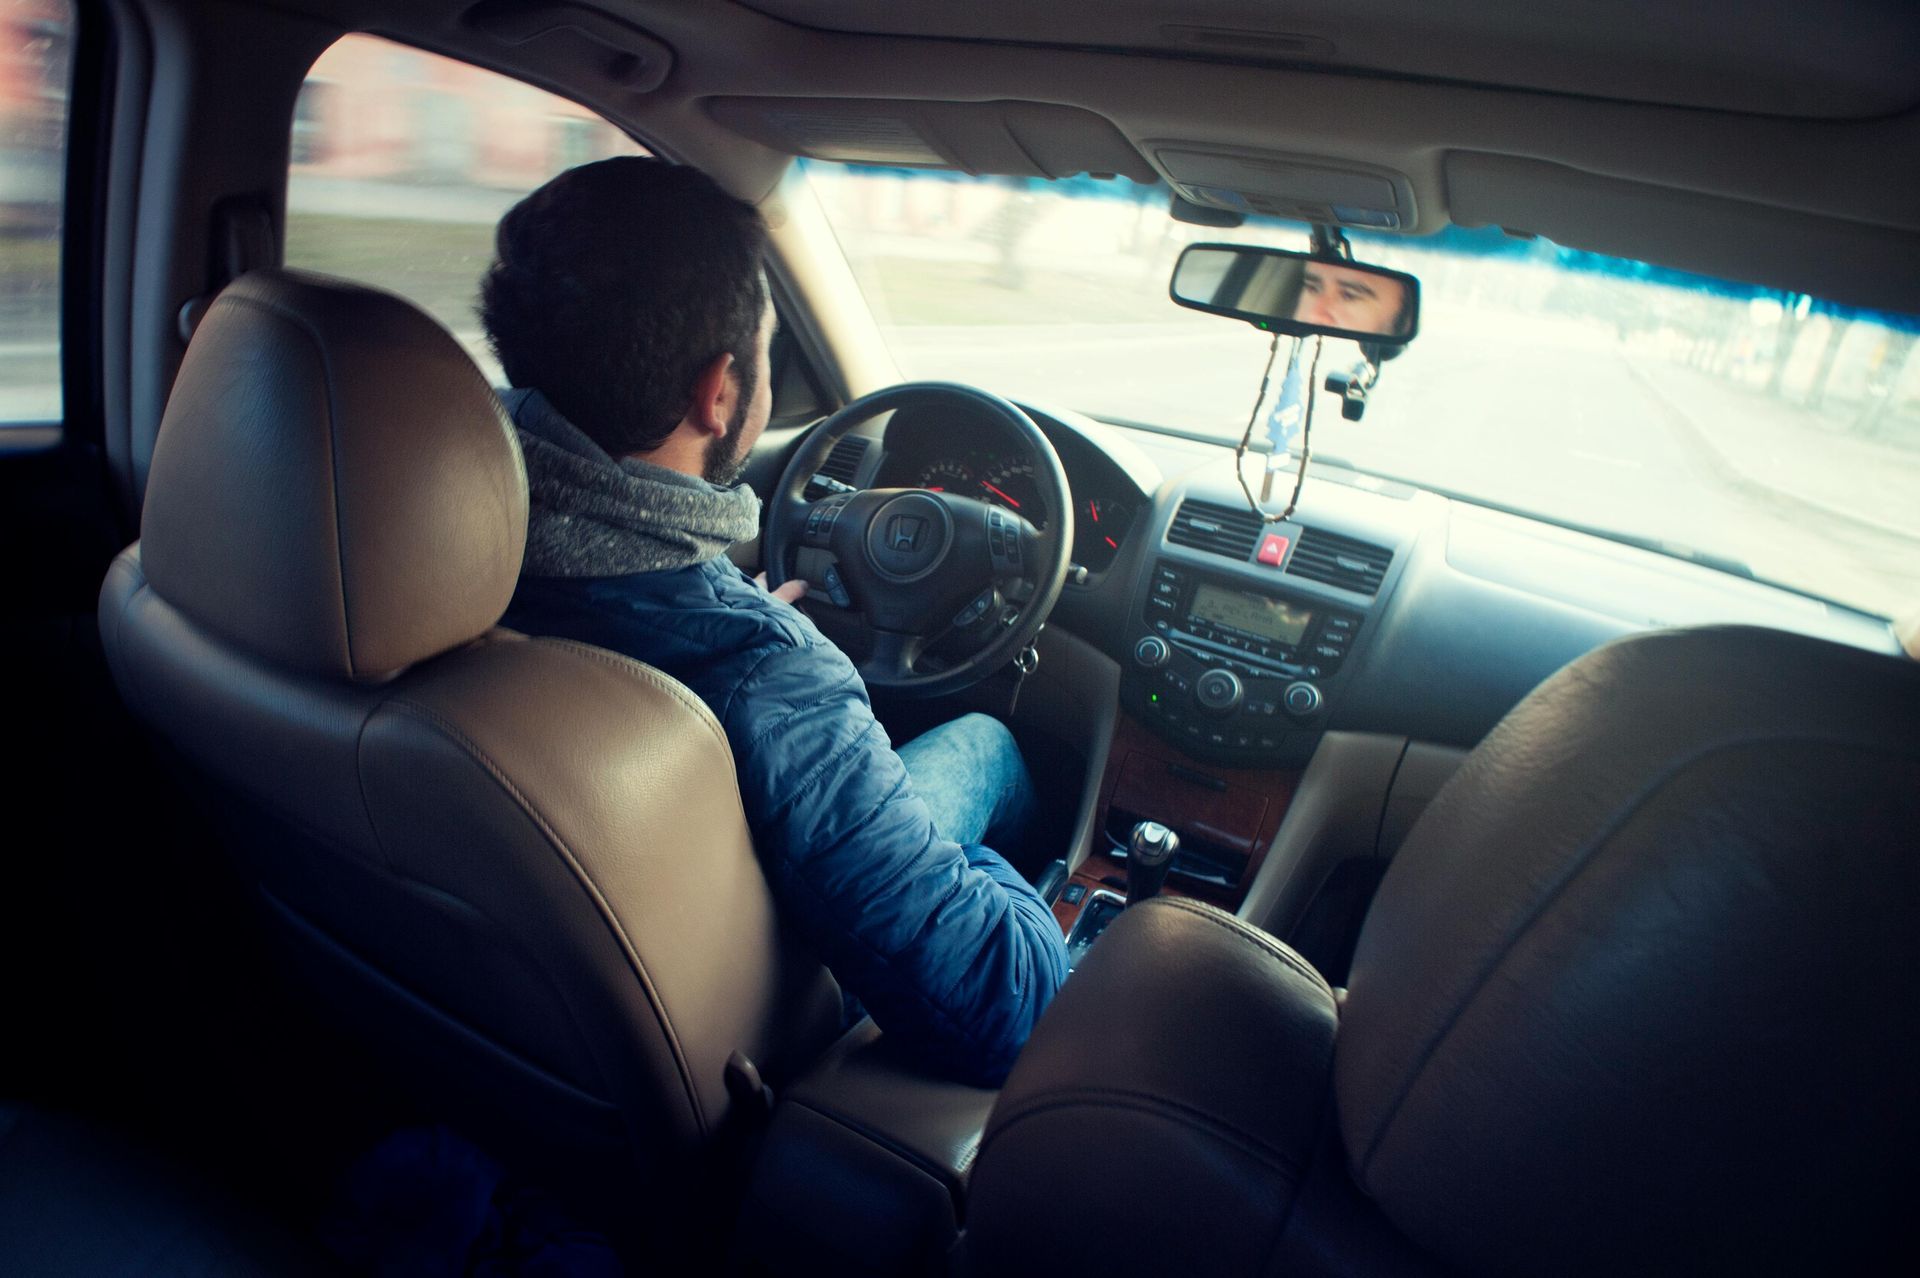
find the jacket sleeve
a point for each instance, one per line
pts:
(948, 947)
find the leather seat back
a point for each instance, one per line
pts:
(1638, 992)
(519, 863)
(1636, 996)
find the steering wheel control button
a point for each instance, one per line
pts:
(1302, 700)
(1151, 652)
(836, 588)
(1218, 691)
(909, 536)
(1273, 549)
(975, 610)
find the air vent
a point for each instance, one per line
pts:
(1339, 561)
(841, 465)
(1219, 530)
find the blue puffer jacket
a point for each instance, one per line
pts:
(947, 946)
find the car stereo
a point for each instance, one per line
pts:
(1234, 674)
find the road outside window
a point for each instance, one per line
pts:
(403, 161)
(1763, 432)
(36, 41)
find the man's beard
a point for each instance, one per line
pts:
(723, 462)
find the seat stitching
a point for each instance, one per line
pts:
(652, 676)
(1246, 932)
(560, 845)
(307, 330)
(1148, 1103)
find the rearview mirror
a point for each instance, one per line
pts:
(1298, 294)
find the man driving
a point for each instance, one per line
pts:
(628, 308)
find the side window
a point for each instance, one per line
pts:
(36, 44)
(403, 161)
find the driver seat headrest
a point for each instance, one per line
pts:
(335, 488)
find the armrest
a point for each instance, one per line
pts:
(865, 1164)
(1176, 1091)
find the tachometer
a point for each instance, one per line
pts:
(1011, 483)
(949, 476)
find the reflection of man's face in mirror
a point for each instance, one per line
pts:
(1341, 297)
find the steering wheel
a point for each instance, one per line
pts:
(919, 565)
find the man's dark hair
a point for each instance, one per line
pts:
(615, 284)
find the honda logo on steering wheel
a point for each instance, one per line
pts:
(903, 532)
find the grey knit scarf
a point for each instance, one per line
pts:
(592, 515)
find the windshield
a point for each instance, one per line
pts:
(1760, 431)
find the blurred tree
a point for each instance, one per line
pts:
(1884, 375)
(1836, 336)
(1794, 309)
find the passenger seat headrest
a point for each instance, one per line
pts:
(335, 487)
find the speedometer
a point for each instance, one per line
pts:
(1011, 483)
(949, 476)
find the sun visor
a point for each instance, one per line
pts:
(1306, 189)
(1849, 262)
(1012, 139)
(574, 35)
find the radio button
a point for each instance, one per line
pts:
(1302, 700)
(1151, 652)
(1218, 691)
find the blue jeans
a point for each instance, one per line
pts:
(970, 775)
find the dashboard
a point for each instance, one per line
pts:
(1377, 608)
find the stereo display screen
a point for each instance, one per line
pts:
(1274, 620)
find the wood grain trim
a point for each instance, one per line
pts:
(1236, 807)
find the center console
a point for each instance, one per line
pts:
(1235, 674)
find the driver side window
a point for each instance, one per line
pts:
(404, 160)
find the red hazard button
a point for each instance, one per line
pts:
(1273, 548)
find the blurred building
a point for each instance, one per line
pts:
(35, 48)
(374, 111)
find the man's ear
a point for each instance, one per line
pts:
(713, 394)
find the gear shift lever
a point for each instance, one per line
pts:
(1149, 852)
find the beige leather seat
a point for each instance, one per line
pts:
(519, 865)
(1636, 997)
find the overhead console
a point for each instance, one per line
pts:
(1305, 188)
(1244, 632)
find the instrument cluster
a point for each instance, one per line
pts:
(1000, 472)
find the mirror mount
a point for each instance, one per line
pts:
(1329, 242)
(1352, 387)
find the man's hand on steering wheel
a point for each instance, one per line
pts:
(920, 564)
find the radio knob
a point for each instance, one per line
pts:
(1302, 700)
(1218, 691)
(1151, 652)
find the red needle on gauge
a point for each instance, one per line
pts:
(997, 493)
